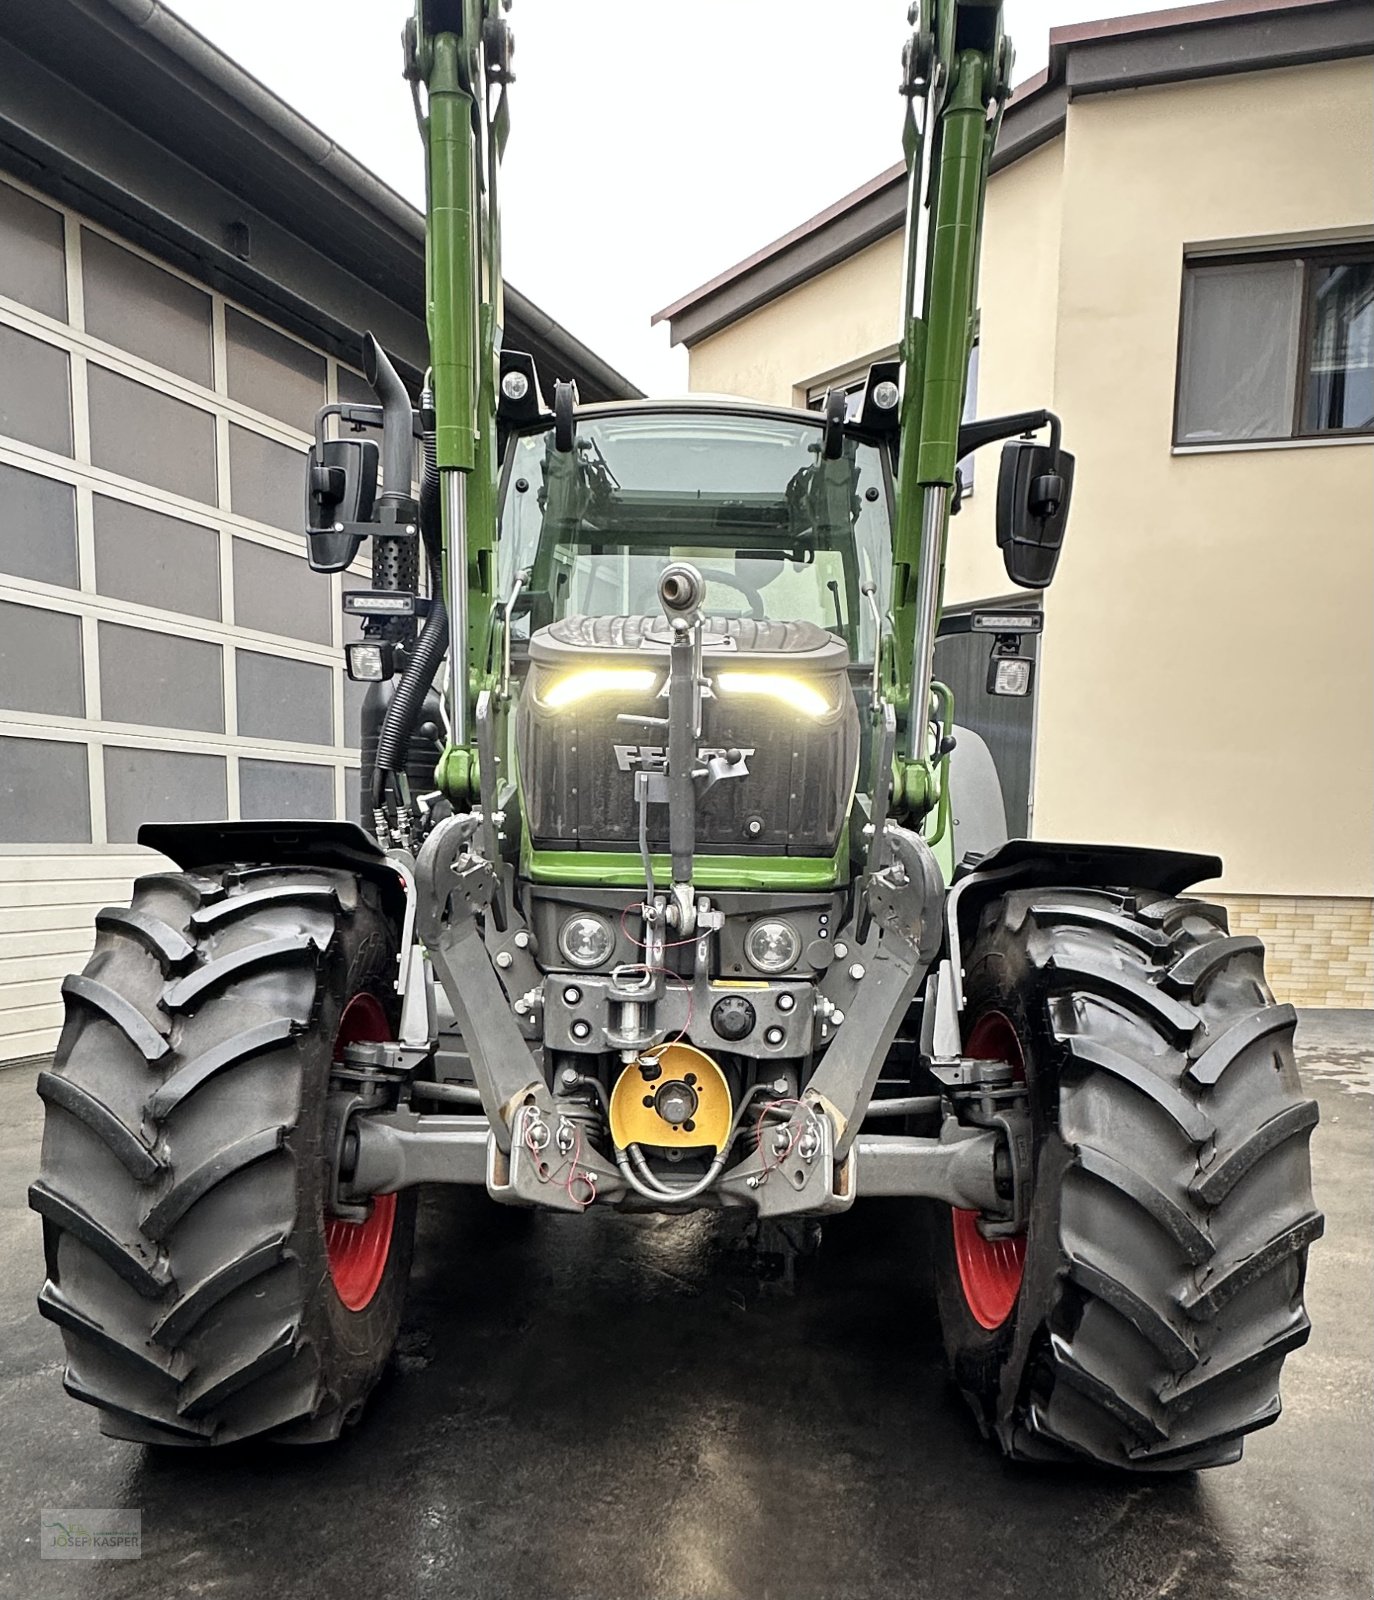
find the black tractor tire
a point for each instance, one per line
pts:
(184, 1174)
(1172, 1208)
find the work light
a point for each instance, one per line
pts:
(370, 660)
(1009, 675)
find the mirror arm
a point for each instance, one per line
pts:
(988, 430)
(358, 416)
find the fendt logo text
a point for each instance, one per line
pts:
(630, 756)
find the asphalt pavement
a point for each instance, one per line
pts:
(616, 1408)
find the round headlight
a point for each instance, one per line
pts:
(515, 385)
(586, 940)
(772, 946)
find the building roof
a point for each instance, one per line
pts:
(121, 110)
(1200, 41)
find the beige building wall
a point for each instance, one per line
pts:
(1230, 591)
(1018, 337)
(820, 327)
(1207, 677)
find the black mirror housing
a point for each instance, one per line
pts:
(1034, 486)
(340, 491)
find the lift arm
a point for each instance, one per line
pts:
(458, 55)
(957, 74)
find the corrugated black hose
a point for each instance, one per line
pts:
(393, 741)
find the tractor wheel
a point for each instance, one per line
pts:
(202, 1291)
(1142, 1319)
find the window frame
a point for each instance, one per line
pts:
(1307, 257)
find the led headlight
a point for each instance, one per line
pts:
(586, 940)
(798, 694)
(587, 681)
(772, 946)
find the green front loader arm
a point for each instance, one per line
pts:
(459, 51)
(958, 68)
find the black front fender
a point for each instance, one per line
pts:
(286, 844)
(1036, 863)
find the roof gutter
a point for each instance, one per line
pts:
(153, 18)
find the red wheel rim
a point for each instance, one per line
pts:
(990, 1270)
(358, 1251)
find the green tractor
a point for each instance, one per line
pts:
(655, 902)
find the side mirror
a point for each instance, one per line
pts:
(340, 488)
(1033, 489)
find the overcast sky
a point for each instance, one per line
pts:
(652, 144)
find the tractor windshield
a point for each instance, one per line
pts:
(776, 530)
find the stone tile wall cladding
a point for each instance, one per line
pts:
(1319, 950)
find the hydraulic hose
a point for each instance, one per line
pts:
(393, 740)
(652, 1188)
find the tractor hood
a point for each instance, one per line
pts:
(779, 694)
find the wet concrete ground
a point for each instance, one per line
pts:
(611, 1408)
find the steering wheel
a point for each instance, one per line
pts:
(753, 595)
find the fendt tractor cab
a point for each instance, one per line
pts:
(655, 902)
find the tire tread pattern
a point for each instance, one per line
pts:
(179, 1184)
(1165, 1266)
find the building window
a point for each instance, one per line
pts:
(155, 560)
(44, 792)
(160, 680)
(853, 384)
(278, 593)
(1276, 346)
(160, 786)
(37, 528)
(283, 699)
(35, 392)
(40, 661)
(285, 791)
(272, 373)
(142, 433)
(266, 479)
(132, 303)
(128, 692)
(32, 268)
